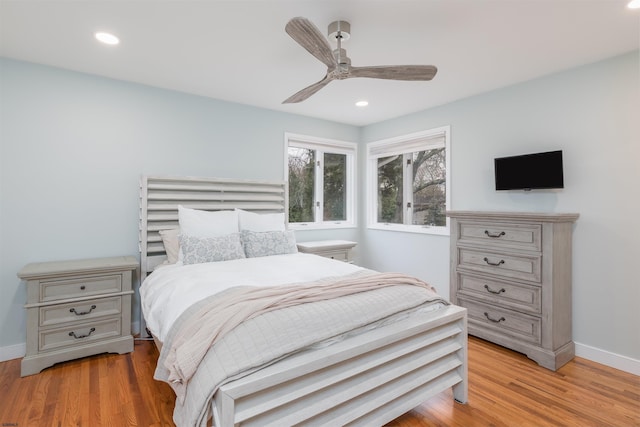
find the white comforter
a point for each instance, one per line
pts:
(172, 289)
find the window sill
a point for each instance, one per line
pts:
(439, 231)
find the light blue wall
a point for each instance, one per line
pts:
(73, 147)
(592, 113)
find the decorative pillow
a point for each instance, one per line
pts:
(171, 241)
(258, 244)
(198, 250)
(260, 222)
(198, 223)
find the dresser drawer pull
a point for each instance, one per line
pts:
(82, 313)
(502, 319)
(92, 330)
(495, 264)
(494, 235)
(494, 292)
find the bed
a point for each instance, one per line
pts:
(365, 368)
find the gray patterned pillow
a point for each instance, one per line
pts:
(258, 244)
(197, 250)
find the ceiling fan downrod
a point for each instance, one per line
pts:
(340, 31)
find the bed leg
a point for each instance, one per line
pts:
(461, 390)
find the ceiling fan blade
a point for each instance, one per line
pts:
(397, 72)
(309, 37)
(308, 91)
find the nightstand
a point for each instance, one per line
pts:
(77, 309)
(335, 249)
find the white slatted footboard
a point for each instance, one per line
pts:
(366, 380)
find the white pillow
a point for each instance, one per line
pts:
(171, 243)
(261, 222)
(204, 224)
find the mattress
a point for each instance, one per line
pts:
(170, 290)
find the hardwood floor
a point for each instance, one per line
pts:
(506, 389)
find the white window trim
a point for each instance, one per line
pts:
(401, 145)
(322, 145)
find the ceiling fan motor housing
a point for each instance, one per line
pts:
(339, 29)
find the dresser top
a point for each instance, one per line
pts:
(61, 268)
(515, 216)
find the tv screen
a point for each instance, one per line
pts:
(529, 171)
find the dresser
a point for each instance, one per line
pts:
(76, 309)
(512, 272)
(334, 249)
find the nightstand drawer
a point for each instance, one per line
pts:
(502, 320)
(339, 250)
(501, 264)
(508, 294)
(499, 234)
(79, 287)
(80, 333)
(339, 255)
(80, 311)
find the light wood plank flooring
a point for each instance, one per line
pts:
(506, 389)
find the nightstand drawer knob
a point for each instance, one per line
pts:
(494, 235)
(83, 287)
(502, 319)
(82, 313)
(92, 330)
(495, 264)
(494, 292)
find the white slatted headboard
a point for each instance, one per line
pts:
(161, 195)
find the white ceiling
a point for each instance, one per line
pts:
(238, 50)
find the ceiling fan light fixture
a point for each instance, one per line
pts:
(362, 103)
(634, 4)
(107, 38)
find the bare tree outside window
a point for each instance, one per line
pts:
(334, 187)
(390, 190)
(429, 187)
(301, 184)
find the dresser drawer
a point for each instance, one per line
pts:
(507, 294)
(502, 320)
(501, 264)
(501, 235)
(79, 287)
(80, 333)
(80, 311)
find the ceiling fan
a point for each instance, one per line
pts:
(338, 63)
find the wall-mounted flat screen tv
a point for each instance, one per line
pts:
(529, 171)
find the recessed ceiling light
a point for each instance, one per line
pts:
(107, 38)
(634, 4)
(362, 103)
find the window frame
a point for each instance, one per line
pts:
(321, 146)
(405, 145)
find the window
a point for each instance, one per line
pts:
(409, 184)
(321, 177)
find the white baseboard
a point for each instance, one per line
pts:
(612, 360)
(13, 352)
